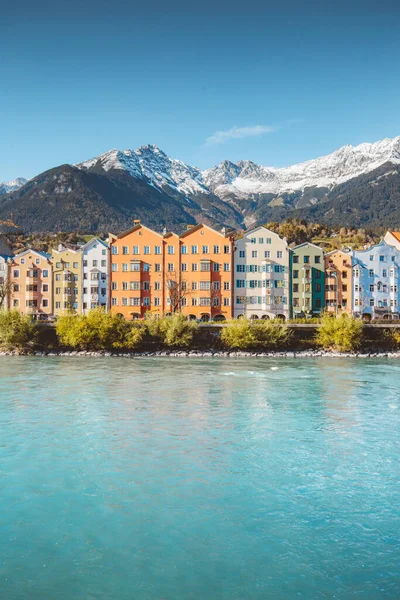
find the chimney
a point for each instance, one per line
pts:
(189, 227)
(136, 222)
(223, 231)
(164, 231)
(60, 247)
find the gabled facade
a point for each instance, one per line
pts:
(308, 274)
(376, 281)
(262, 275)
(137, 277)
(31, 289)
(206, 266)
(338, 282)
(67, 279)
(94, 275)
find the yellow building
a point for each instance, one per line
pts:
(67, 280)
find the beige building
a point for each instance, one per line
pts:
(67, 279)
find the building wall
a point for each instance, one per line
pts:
(338, 282)
(94, 275)
(3, 279)
(137, 272)
(308, 274)
(261, 275)
(31, 283)
(376, 280)
(67, 280)
(206, 257)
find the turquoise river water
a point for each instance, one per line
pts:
(179, 479)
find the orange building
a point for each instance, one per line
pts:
(207, 272)
(31, 275)
(165, 273)
(338, 282)
(137, 272)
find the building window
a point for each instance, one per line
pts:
(371, 272)
(267, 254)
(205, 266)
(216, 249)
(135, 266)
(157, 249)
(279, 254)
(254, 254)
(75, 264)
(194, 285)
(184, 267)
(381, 258)
(306, 259)
(125, 250)
(114, 267)
(146, 250)
(205, 249)
(216, 267)
(114, 250)
(171, 250)
(227, 249)
(135, 250)
(157, 302)
(227, 301)
(295, 274)
(194, 249)
(15, 273)
(45, 303)
(227, 267)
(242, 254)
(295, 259)
(194, 266)
(15, 303)
(170, 267)
(124, 267)
(114, 302)
(371, 302)
(184, 250)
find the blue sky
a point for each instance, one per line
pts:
(273, 82)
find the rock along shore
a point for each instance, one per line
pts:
(209, 354)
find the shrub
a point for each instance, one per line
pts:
(341, 333)
(17, 331)
(98, 331)
(245, 334)
(175, 331)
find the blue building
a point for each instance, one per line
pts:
(375, 281)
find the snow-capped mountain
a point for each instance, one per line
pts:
(245, 178)
(354, 186)
(152, 164)
(12, 186)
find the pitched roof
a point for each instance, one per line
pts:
(396, 235)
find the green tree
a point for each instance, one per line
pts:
(174, 331)
(342, 333)
(17, 332)
(98, 331)
(247, 334)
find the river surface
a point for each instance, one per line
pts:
(214, 479)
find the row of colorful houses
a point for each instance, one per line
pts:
(205, 274)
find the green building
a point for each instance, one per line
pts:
(307, 281)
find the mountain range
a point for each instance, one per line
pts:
(354, 186)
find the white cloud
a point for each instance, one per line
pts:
(237, 133)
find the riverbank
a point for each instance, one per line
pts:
(206, 354)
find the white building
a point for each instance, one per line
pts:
(261, 275)
(94, 275)
(3, 281)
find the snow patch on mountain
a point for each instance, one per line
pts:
(12, 186)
